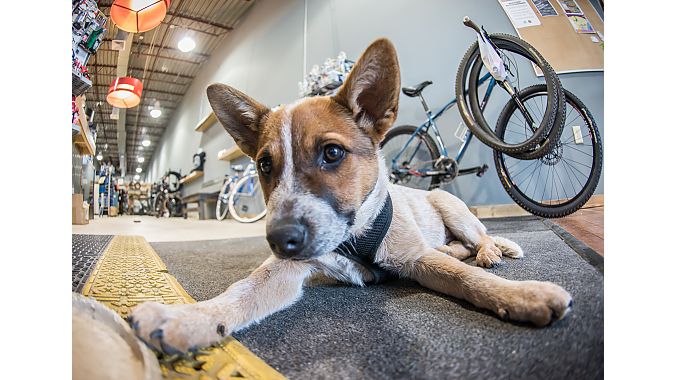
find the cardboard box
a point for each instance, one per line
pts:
(112, 211)
(79, 212)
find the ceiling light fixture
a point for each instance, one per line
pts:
(137, 177)
(145, 142)
(186, 44)
(125, 92)
(141, 159)
(138, 170)
(155, 110)
(138, 16)
(99, 157)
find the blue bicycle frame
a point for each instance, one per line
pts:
(430, 123)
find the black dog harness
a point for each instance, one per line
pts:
(363, 249)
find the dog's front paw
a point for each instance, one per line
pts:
(534, 301)
(487, 255)
(175, 328)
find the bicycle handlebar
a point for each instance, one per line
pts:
(471, 24)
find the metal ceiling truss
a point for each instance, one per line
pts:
(160, 66)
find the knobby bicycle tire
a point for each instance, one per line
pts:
(471, 113)
(576, 202)
(427, 139)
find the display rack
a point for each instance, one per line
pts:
(206, 123)
(191, 177)
(80, 84)
(230, 154)
(83, 138)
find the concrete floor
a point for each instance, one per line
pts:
(170, 229)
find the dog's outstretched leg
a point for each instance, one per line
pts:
(469, 230)
(273, 286)
(528, 301)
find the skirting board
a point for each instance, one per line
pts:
(501, 211)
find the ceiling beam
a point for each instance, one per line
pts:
(150, 90)
(103, 65)
(167, 48)
(154, 80)
(159, 56)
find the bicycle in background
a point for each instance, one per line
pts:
(546, 145)
(241, 196)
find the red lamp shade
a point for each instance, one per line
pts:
(125, 92)
(138, 16)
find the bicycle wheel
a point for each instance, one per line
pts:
(418, 157)
(563, 180)
(222, 202)
(513, 50)
(246, 202)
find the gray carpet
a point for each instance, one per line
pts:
(401, 330)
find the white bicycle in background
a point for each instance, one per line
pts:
(242, 196)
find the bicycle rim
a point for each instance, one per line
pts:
(246, 202)
(561, 181)
(419, 156)
(222, 202)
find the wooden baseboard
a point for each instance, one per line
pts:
(502, 211)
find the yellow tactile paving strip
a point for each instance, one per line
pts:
(129, 272)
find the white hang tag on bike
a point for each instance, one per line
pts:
(461, 132)
(577, 134)
(491, 59)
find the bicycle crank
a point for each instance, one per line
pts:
(449, 168)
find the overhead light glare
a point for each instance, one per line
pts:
(186, 44)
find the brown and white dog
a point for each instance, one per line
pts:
(324, 182)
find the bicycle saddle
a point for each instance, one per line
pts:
(237, 168)
(415, 91)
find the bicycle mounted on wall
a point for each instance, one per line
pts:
(543, 132)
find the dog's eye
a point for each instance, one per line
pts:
(265, 165)
(333, 153)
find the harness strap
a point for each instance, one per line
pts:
(363, 249)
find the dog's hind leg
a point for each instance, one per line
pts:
(470, 231)
(456, 249)
(528, 301)
(273, 286)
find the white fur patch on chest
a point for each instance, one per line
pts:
(342, 269)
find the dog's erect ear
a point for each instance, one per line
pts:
(239, 114)
(371, 90)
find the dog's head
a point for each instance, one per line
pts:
(317, 159)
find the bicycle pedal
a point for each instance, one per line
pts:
(482, 170)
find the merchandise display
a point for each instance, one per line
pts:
(325, 80)
(198, 160)
(89, 28)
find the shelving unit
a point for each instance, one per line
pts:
(230, 153)
(80, 84)
(206, 123)
(191, 177)
(83, 139)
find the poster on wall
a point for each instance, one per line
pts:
(520, 13)
(568, 33)
(576, 16)
(545, 8)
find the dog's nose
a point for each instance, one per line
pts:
(287, 240)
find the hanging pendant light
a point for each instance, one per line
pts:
(125, 92)
(138, 16)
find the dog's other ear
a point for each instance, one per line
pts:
(239, 114)
(371, 90)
